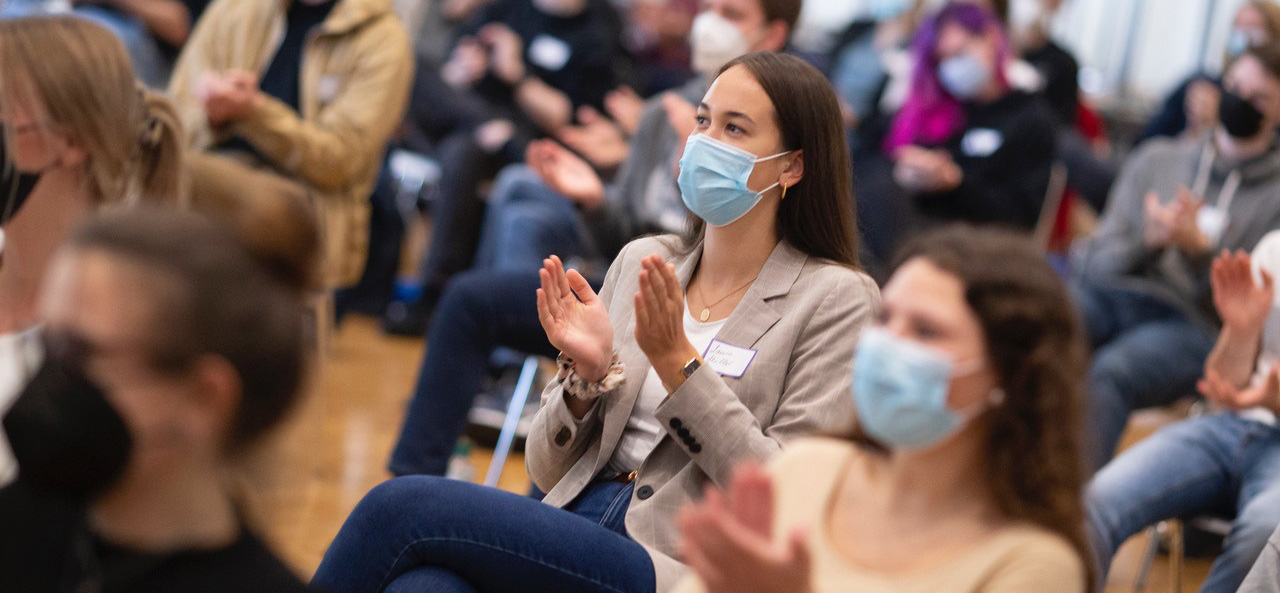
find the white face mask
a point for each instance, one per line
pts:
(1023, 14)
(715, 42)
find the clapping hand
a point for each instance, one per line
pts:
(566, 173)
(926, 170)
(728, 540)
(1175, 224)
(1217, 389)
(597, 138)
(660, 319)
(575, 319)
(1242, 303)
(229, 96)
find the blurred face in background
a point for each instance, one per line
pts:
(726, 29)
(966, 61)
(1250, 81)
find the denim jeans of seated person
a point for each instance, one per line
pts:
(1221, 464)
(427, 534)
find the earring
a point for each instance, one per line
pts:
(784, 192)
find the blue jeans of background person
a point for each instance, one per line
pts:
(149, 64)
(525, 221)
(1145, 354)
(426, 534)
(1216, 464)
(479, 311)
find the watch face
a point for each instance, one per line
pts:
(691, 367)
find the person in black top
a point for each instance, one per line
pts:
(520, 69)
(1090, 171)
(965, 146)
(169, 349)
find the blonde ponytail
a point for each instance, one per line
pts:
(161, 143)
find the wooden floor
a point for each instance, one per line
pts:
(308, 478)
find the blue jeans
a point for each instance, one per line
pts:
(479, 311)
(525, 221)
(426, 534)
(1145, 354)
(1219, 464)
(149, 64)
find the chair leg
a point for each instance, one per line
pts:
(524, 386)
(1176, 555)
(1148, 556)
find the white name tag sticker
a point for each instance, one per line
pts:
(981, 142)
(327, 87)
(549, 52)
(728, 360)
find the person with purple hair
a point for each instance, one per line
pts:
(966, 146)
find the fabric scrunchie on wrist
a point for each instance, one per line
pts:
(567, 376)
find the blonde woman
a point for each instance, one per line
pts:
(80, 135)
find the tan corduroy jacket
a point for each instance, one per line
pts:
(356, 71)
(802, 317)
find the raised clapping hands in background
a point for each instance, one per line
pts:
(729, 543)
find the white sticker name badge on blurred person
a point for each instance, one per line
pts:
(549, 52)
(327, 88)
(981, 142)
(728, 360)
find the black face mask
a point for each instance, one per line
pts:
(1239, 117)
(15, 186)
(68, 439)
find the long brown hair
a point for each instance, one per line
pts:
(817, 216)
(1034, 464)
(76, 77)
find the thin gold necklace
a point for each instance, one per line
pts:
(706, 309)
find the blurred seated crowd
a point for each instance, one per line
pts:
(874, 317)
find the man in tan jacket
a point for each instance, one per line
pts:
(296, 96)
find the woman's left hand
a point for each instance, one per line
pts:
(728, 540)
(660, 320)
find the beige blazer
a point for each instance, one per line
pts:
(802, 315)
(357, 67)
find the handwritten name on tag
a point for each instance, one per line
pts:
(728, 360)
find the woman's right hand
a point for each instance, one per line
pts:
(1242, 303)
(575, 319)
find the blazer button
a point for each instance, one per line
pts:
(676, 423)
(644, 492)
(695, 448)
(562, 436)
(682, 433)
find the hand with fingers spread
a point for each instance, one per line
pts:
(1242, 303)
(575, 319)
(660, 321)
(728, 540)
(566, 173)
(1219, 390)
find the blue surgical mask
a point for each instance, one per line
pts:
(900, 391)
(713, 179)
(963, 76)
(1237, 42)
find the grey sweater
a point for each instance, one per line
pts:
(1118, 256)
